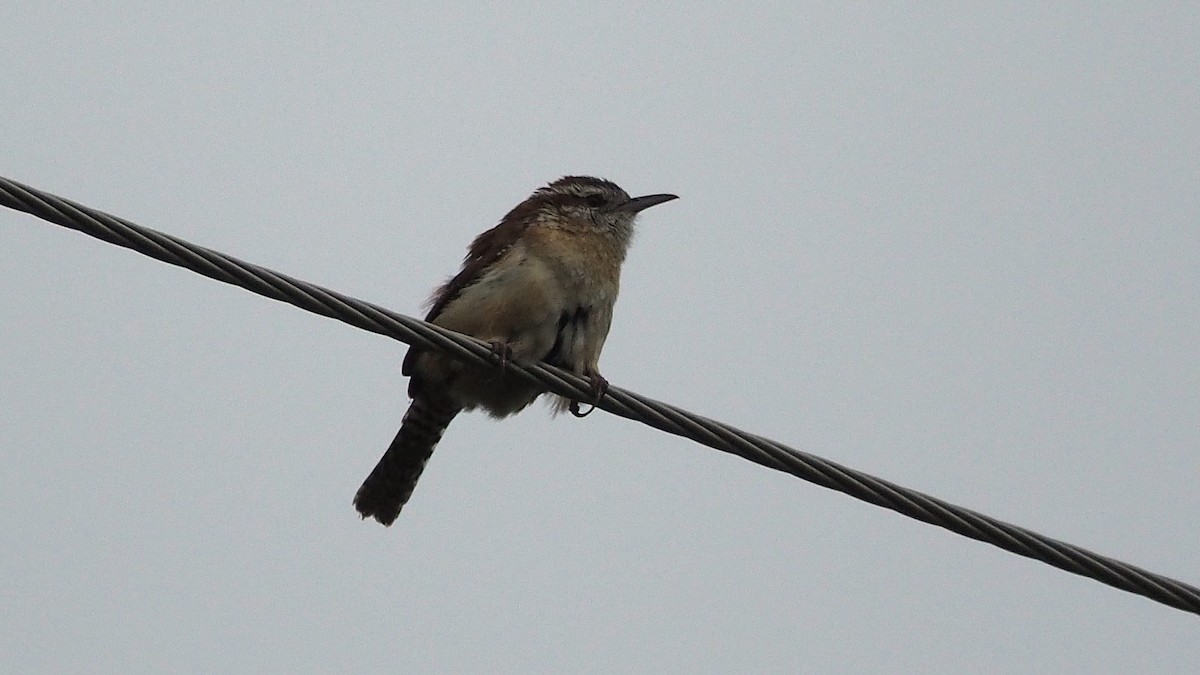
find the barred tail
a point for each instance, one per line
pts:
(391, 483)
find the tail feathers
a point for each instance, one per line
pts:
(391, 483)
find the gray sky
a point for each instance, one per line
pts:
(955, 247)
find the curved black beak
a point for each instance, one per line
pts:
(642, 203)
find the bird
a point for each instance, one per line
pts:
(539, 286)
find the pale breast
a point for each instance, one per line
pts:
(516, 301)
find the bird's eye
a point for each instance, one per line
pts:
(594, 201)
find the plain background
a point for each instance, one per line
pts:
(954, 245)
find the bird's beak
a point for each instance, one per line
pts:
(642, 203)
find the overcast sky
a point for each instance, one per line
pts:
(955, 247)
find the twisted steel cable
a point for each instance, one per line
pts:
(621, 402)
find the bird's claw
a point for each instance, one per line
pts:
(503, 352)
(599, 386)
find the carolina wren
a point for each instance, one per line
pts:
(540, 286)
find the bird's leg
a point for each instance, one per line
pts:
(503, 352)
(599, 386)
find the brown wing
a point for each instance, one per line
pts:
(485, 250)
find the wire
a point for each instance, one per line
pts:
(621, 402)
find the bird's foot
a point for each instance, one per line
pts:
(599, 386)
(503, 352)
